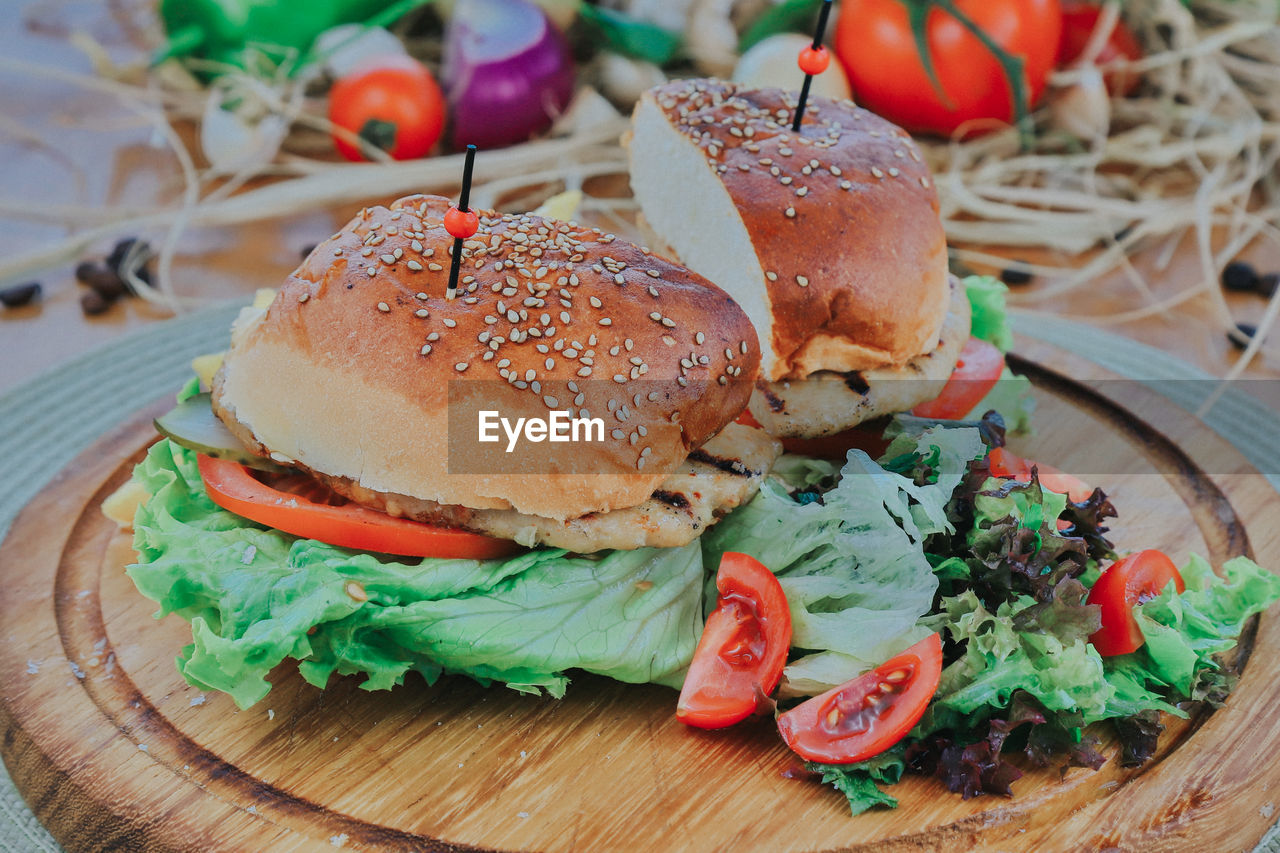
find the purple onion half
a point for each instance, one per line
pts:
(507, 72)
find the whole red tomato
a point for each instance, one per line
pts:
(1078, 23)
(393, 103)
(875, 44)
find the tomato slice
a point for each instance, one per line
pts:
(313, 515)
(742, 649)
(977, 371)
(869, 714)
(1013, 467)
(1124, 585)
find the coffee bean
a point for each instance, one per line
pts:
(1268, 283)
(19, 294)
(108, 283)
(94, 303)
(1239, 275)
(1014, 277)
(125, 247)
(1242, 335)
(85, 269)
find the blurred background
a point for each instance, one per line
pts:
(1113, 163)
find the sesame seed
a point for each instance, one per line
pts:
(550, 363)
(655, 316)
(924, 182)
(617, 434)
(426, 349)
(584, 371)
(668, 322)
(844, 185)
(551, 402)
(434, 267)
(355, 591)
(421, 312)
(460, 366)
(802, 192)
(698, 339)
(372, 271)
(450, 323)
(835, 171)
(629, 344)
(337, 253)
(303, 297)
(605, 321)
(653, 291)
(893, 172)
(802, 281)
(876, 171)
(771, 275)
(743, 347)
(384, 307)
(595, 303)
(785, 181)
(618, 279)
(433, 337)
(414, 265)
(790, 213)
(387, 259)
(422, 296)
(619, 378)
(722, 380)
(653, 274)
(416, 246)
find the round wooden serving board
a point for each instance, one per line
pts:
(115, 752)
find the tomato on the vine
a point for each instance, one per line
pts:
(867, 715)
(393, 103)
(875, 43)
(1079, 20)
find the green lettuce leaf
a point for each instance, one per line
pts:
(255, 597)
(858, 781)
(852, 564)
(1013, 398)
(989, 320)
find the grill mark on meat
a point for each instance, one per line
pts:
(673, 499)
(856, 383)
(776, 403)
(729, 466)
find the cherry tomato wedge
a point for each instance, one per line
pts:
(977, 371)
(1124, 585)
(231, 486)
(743, 646)
(1013, 467)
(869, 714)
(1079, 20)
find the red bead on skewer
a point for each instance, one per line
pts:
(461, 222)
(813, 60)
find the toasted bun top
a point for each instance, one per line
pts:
(362, 369)
(829, 238)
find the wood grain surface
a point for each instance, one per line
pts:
(115, 752)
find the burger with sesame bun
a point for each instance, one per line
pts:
(829, 238)
(332, 497)
(363, 341)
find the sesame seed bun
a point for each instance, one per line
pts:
(362, 369)
(830, 239)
